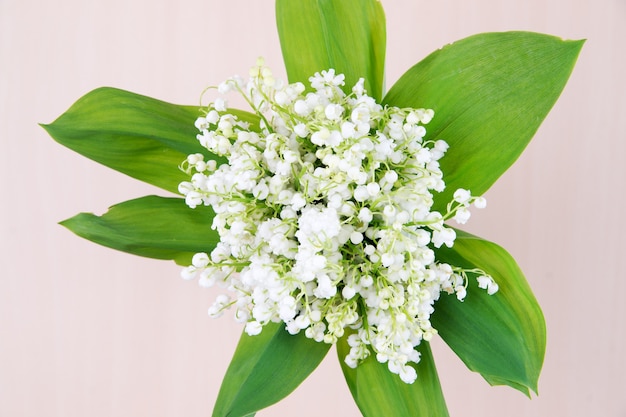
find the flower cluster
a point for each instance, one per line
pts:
(324, 216)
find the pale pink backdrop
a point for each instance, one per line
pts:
(87, 331)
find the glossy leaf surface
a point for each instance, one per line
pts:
(378, 392)
(501, 336)
(134, 134)
(490, 92)
(265, 369)
(348, 36)
(151, 226)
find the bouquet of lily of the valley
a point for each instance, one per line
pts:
(326, 211)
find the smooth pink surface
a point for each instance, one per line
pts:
(87, 331)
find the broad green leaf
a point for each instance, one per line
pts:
(347, 35)
(151, 226)
(490, 93)
(378, 392)
(501, 336)
(265, 369)
(140, 136)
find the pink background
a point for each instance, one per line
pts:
(87, 331)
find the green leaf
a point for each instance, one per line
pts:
(378, 392)
(501, 336)
(140, 136)
(265, 369)
(347, 35)
(151, 226)
(490, 93)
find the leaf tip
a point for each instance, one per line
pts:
(47, 127)
(70, 223)
(576, 43)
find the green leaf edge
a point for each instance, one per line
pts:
(275, 347)
(457, 155)
(452, 256)
(426, 387)
(191, 234)
(333, 19)
(170, 135)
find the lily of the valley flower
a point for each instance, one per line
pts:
(325, 217)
